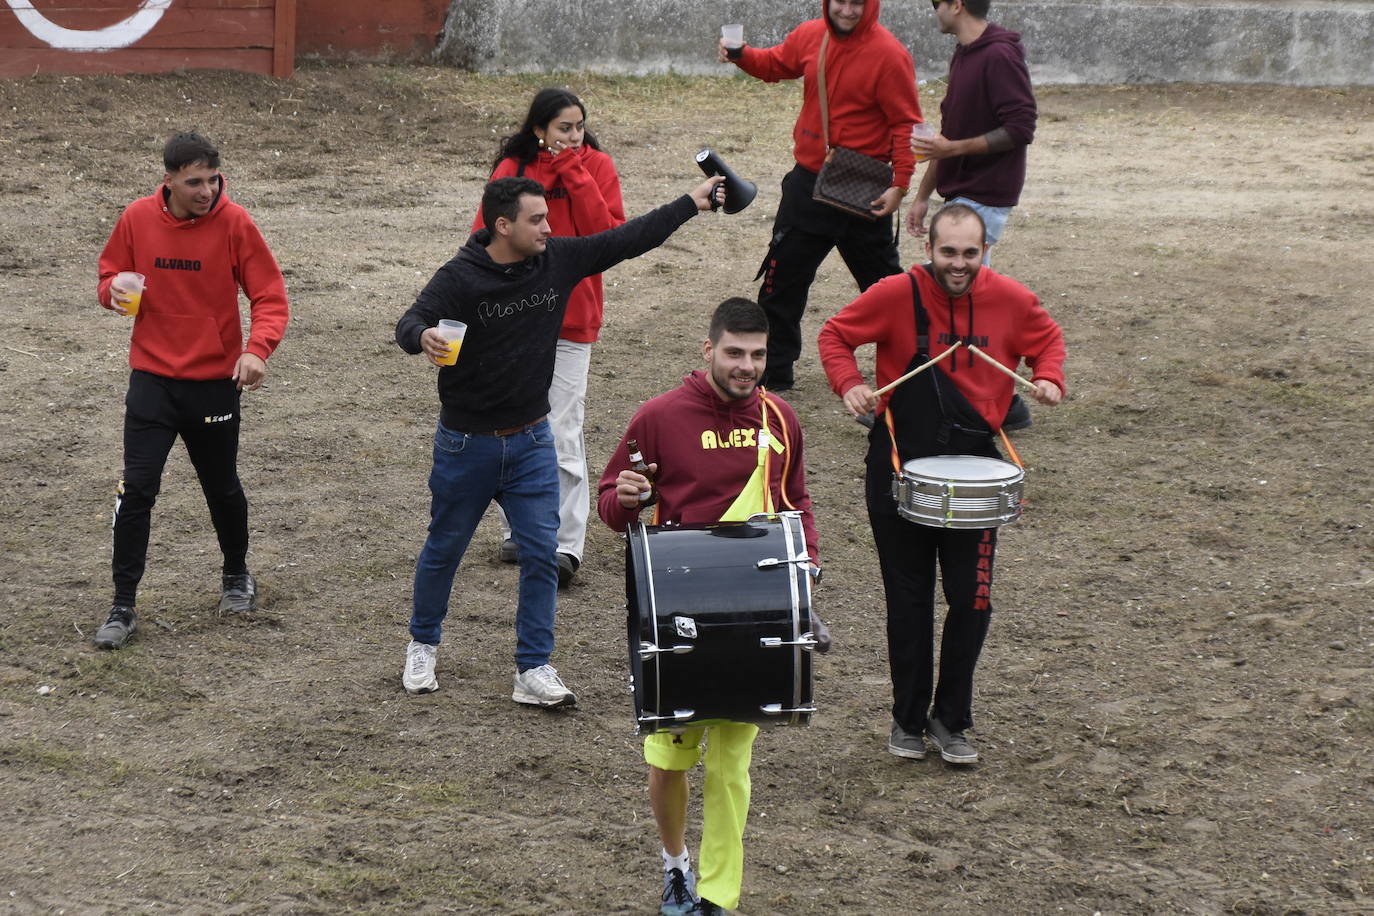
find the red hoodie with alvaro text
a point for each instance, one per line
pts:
(188, 325)
(707, 451)
(870, 90)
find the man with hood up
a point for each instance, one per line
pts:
(510, 285)
(190, 364)
(871, 94)
(697, 482)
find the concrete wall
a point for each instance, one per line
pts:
(1290, 42)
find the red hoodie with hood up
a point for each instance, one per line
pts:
(188, 324)
(870, 90)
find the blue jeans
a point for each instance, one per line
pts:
(520, 472)
(994, 221)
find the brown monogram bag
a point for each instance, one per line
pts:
(848, 180)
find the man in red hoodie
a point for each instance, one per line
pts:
(697, 480)
(196, 248)
(871, 95)
(953, 408)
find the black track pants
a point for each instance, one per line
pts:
(206, 416)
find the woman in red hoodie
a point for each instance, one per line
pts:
(582, 190)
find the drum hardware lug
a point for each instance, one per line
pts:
(679, 715)
(774, 642)
(769, 562)
(777, 709)
(648, 650)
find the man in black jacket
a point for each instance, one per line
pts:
(510, 285)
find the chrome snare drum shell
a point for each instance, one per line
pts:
(959, 491)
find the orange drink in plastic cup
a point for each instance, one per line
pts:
(129, 284)
(453, 332)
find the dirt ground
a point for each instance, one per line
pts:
(1175, 704)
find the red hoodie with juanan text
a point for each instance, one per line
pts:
(707, 452)
(582, 190)
(870, 90)
(188, 324)
(1000, 316)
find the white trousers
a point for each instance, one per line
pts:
(567, 411)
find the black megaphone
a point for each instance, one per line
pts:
(738, 192)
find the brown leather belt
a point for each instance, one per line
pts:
(514, 429)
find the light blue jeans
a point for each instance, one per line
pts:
(994, 221)
(519, 472)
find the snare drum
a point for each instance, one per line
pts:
(720, 623)
(959, 491)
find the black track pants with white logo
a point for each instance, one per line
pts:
(205, 414)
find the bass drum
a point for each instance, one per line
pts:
(720, 623)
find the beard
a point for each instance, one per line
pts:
(942, 277)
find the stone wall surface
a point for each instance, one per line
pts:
(1288, 42)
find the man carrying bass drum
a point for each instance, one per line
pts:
(695, 481)
(954, 408)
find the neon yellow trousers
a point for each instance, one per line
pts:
(724, 799)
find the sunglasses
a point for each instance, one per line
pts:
(935, 4)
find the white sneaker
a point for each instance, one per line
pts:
(419, 674)
(542, 687)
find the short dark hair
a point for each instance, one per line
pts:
(501, 198)
(187, 148)
(955, 212)
(738, 316)
(978, 9)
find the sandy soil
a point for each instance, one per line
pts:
(1174, 706)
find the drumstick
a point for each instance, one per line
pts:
(917, 371)
(1029, 384)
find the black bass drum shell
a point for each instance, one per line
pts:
(719, 623)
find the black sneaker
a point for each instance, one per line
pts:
(114, 633)
(777, 378)
(1018, 415)
(705, 907)
(508, 553)
(567, 568)
(240, 594)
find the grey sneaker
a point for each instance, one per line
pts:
(419, 674)
(509, 553)
(954, 746)
(679, 892)
(114, 633)
(240, 594)
(902, 743)
(542, 687)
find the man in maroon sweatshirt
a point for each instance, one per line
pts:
(719, 449)
(987, 120)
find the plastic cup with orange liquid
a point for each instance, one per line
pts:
(130, 285)
(923, 131)
(453, 332)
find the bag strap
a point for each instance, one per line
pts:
(922, 321)
(820, 88)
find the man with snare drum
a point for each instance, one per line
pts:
(696, 479)
(953, 408)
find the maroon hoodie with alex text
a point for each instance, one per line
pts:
(707, 451)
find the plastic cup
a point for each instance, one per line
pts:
(131, 285)
(453, 332)
(925, 132)
(732, 35)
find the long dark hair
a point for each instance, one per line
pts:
(523, 145)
